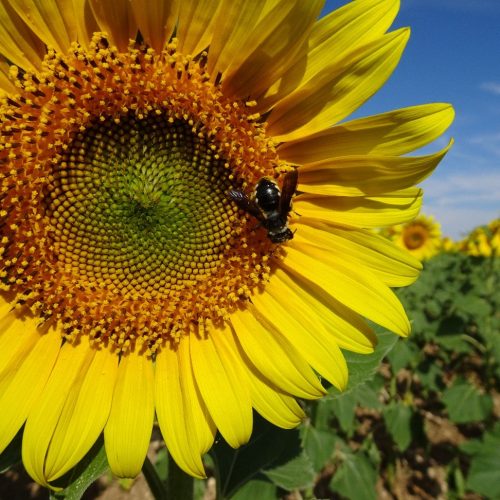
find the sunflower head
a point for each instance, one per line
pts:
(420, 237)
(150, 156)
(482, 241)
(117, 192)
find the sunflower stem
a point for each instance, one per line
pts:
(179, 484)
(156, 485)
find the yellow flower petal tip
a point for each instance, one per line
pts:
(155, 254)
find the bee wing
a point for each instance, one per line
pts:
(288, 190)
(246, 204)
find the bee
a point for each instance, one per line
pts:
(270, 205)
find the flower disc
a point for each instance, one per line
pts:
(130, 234)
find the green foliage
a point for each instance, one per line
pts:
(465, 403)
(484, 472)
(397, 418)
(355, 477)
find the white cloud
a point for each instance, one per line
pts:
(487, 142)
(492, 87)
(462, 200)
(457, 222)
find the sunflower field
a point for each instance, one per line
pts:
(210, 253)
(420, 417)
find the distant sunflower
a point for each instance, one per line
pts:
(483, 241)
(420, 237)
(133, 283)
(449, 245)
(494, 229)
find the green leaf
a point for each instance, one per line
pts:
(419, 322)
(268, 448)
(263, 490)
(355, 478)
(472, 305)
(397, 419)
(298, 473)
(465, 403)
(161, 464)
(362, 367)
(401, 356)
(484, 471)
(343, 408)
(367, 395)
(433, 309)
(456, 343)
(89, 469)
(430, 375)
(319, 445)
(321, 413)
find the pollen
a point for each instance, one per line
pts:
(115, 170)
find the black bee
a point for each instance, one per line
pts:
(270, 205)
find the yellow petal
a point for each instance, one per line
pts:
(333, 95)
(231, 29)
(223, 383)
(156, 20)
(354, 24)
(368, 212)
(392, 133)
(42, 420)
(370, 175)
(128, 430)
(7, 313)
(319, 350)
(86, 23)
(362, 249)
(52, 21)
(275, 357)
(195, 25)
(85, 412)
(348, 329)
(19, 44)
(357, 288)
(14, 344)
(186, 426)
(38, 353)
(273, 44)
(116, 19)
(278, 408)
(6, 85)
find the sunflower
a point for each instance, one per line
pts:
(494, 230)
(134, 284)
(483, 241)
(420, 237)
(449, 245)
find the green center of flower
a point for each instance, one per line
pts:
(141, 204)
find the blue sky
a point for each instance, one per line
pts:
(453, 56)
